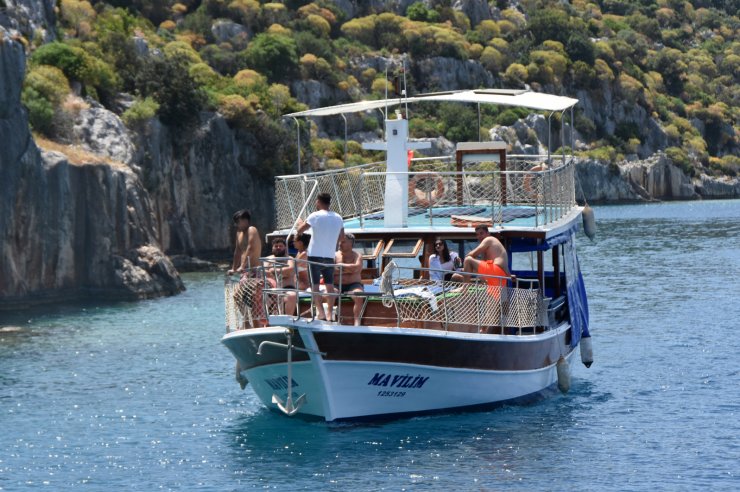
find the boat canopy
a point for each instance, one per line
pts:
(502, 97)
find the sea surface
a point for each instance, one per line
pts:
(141, 396)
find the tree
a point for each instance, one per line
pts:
(167, 81)
(273, 55)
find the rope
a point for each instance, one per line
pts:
(386, 283)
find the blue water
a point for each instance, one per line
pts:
(141, 396)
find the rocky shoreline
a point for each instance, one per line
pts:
(119, 222)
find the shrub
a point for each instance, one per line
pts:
(49, 82)
(680, 158)
(549, 23)
(237, 110)
(40, 110)
(603, 71)
(78, 65)
(167, 81)
(547, 67)
(605, 154)
(141, 111)
(181, 50)
(492, 59)
(580, 48)
(630, 88)
(516, 74)
(418, 11)
(79, 14)
(488, 30)
(583, 75)
(203, 74)
(318, 25)
(273, 55)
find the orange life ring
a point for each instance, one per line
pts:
(423, 198)
(527, 185)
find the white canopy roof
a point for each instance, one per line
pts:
(503, 97)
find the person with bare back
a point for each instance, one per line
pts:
(350, 262)
(494, 259)
(248, 244)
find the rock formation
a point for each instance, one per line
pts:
(69, 230)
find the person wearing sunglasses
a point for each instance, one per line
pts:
(442, 259)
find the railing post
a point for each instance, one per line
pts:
(336, 193)
(362, 200)
(444, 297)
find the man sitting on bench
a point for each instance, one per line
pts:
(350, 262)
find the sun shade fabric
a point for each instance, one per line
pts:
(525, 99)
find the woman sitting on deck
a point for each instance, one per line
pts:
(443, 259)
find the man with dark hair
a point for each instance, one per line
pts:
(350, 262)
(280, 273)
(248, 243)
(327, 228)
(494, 258)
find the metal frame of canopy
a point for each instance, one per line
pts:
(502, 97)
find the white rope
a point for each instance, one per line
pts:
(386, 283)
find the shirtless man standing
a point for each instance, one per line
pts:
(351, 263)
(248, 244)
(495, 258)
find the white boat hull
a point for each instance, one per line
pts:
(367, 389)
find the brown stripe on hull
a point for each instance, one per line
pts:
(245, 349)
(443, 352)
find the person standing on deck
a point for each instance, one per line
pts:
(327, 227)
(495, 259)
(351, 274)
(248, 244)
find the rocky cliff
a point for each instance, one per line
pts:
(69, 230)
(197, 181)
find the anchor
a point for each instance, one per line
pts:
(289, 407)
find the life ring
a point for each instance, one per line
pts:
(529, 189)
(423, 198)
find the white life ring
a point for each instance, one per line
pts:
(423, 198)
(527, 185)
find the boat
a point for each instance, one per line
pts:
(423, 345)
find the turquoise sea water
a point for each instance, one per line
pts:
(141, 396)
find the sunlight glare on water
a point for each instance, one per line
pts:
(142, 395)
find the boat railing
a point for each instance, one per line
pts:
(403, 297)
(357, 192)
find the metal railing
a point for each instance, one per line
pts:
(544, 184)
(470, 302)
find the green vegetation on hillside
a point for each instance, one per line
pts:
(677, 60)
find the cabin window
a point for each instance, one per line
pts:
(370, 249)
(403, 248)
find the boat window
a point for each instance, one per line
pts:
(369, 248)
(403, 248)
(527, 261)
